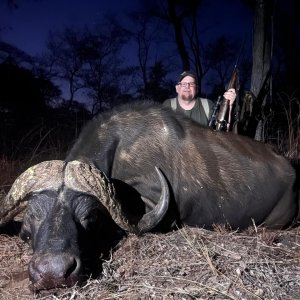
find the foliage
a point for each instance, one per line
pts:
(156, 87)
(88, 60)
(94, 74)
(282, 126)
(28, 119)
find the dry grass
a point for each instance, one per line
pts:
(189, 263)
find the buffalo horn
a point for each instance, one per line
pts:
(86, 178)
(43, 176)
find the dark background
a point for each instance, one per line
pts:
(62, 62)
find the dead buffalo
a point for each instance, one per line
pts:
(143, 167)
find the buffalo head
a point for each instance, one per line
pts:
(67, 206)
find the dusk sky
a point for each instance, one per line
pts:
(27, 26)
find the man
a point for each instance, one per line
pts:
(196, 108)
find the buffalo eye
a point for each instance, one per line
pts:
(25, 236)
(89, 219)
(86, 211)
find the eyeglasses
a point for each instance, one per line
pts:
(186, 84)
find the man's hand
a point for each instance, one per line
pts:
(230, 95)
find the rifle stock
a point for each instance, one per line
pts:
(213, 120)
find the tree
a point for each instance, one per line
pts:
(182, 17)
(157, 89)
(144, 36)
(286, 63)
(176, 18)
(103, 70)
(64, 59)
(283, 124)
(261, 61)
(22, 93)
(24, 100)
(220, 58)
(88, 60)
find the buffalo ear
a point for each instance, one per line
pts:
(45, 175)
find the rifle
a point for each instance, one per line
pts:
(222, 108)
(226, 109)
(213, 118)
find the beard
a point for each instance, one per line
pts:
(187, 97)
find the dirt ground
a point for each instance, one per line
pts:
(189, 263)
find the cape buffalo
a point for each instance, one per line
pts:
(145, 167)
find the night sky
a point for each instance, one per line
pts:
(27, 26)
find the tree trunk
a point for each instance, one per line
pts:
(177, 23)
(261, 61)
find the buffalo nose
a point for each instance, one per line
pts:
(51, 271)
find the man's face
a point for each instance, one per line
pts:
(186, 88)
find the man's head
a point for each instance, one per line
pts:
(186, 87)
